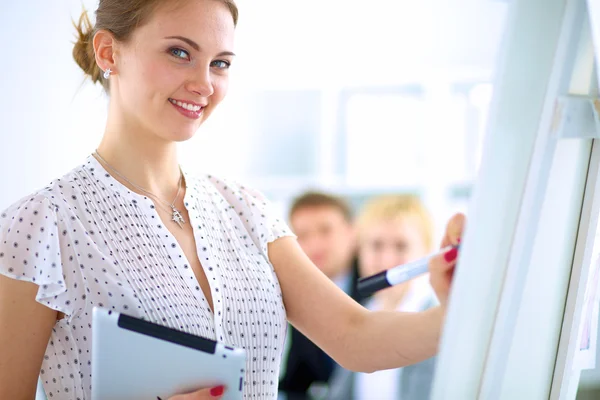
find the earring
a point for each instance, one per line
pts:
(107, 73)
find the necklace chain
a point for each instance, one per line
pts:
(176, 214)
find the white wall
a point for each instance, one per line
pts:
(51, 119)
(335, 41)
(48, 122)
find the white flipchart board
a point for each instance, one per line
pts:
(517, 295)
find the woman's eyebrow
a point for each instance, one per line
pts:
(195, 45)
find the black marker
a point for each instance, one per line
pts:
(398, 274)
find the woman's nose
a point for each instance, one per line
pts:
(201, 83)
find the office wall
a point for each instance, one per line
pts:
(52, 118)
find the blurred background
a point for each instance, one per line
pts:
(358, 98)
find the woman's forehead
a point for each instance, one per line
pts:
(200, 20)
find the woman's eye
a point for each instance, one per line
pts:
(180, 53)
(221, 64)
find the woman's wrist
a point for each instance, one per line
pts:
(438, 317)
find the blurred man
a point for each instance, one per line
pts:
(323, 224)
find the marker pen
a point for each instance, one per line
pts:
(398, 274)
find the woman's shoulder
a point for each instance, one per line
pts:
(52, 194)
(35, 246)
(222, 183)
(261, 218)
(232, 190)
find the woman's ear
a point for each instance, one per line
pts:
(105, 50)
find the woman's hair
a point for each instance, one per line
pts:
(392, 207)
(121, 18)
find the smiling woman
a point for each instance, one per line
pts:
(171, 58)
(130, 230)
(120, 18)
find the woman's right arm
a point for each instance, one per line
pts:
(25, 329)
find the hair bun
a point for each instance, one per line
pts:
(83, 51)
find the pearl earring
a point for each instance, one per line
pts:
(107, 73)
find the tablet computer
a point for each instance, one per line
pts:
(135, 359)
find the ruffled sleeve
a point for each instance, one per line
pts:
(267, 223)
(262, 222)
(35, 247)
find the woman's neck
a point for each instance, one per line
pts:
(142, 158)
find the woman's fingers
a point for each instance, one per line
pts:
(202, 394)
(442, 271)
(442, 267)
(454, 230)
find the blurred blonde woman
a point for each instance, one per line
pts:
(392, 230)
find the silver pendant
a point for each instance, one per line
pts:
(177, 218)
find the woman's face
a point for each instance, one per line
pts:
(385, 244)
(174, 71)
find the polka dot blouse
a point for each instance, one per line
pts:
(86, 240)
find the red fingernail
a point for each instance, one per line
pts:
(451, 255)
(217, 391)
(458, 240)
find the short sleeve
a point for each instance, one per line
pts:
(258, 215)
(35, 247)
(267, 223)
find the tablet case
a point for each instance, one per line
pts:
(134, 359)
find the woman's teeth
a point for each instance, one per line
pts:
(189, 107)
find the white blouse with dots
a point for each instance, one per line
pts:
(86, 240)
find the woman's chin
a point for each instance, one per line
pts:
(181, 135)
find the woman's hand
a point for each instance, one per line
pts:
(442, 267)
(202, 394)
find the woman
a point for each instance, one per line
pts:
(128, 230)
(392, 230)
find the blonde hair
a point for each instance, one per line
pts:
(121, 18)
(392, 207)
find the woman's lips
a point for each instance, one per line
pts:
(188, 109)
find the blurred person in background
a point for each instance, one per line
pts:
(392, 230)
(323, 225)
